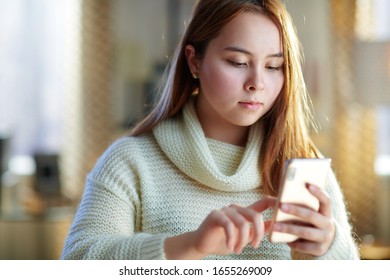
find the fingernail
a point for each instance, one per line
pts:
(311, 187)
(285, 207)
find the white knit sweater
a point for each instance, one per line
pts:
(146, 188)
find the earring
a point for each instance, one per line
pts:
(195, 76)
(195, 91)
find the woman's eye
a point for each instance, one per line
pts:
(237, 63)
(271, 68)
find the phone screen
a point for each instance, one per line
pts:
(297, 173)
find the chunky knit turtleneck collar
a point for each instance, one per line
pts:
(183, 141)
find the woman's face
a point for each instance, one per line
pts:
(241, 74)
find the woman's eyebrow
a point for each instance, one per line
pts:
(238, 49)
(279, 54)
(242, 50)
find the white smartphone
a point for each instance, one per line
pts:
(297, 173)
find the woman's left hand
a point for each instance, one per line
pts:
(315, 238)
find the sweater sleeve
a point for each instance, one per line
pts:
(344, 245)
(107, 222)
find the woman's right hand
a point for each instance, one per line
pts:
(223, 232)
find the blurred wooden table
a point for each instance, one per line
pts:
(375, 252)
(23, 237)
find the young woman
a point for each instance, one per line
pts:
(197, 177)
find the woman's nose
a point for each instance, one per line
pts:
(255, 81)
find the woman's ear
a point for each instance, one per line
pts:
(192, 60)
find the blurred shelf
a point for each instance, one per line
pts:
(52, 214)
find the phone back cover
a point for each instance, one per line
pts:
(298, 173)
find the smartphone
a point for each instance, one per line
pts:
(297, 173)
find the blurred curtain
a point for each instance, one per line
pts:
(89, 124)
(354, 131)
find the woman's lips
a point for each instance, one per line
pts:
(250, 105)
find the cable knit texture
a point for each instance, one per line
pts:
(146, 188)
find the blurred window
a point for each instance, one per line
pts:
(32, 57)
(373, 32)
(373, 20)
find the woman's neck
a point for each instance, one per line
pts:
(233, 135)
(218, 129)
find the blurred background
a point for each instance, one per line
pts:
(77, 74)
